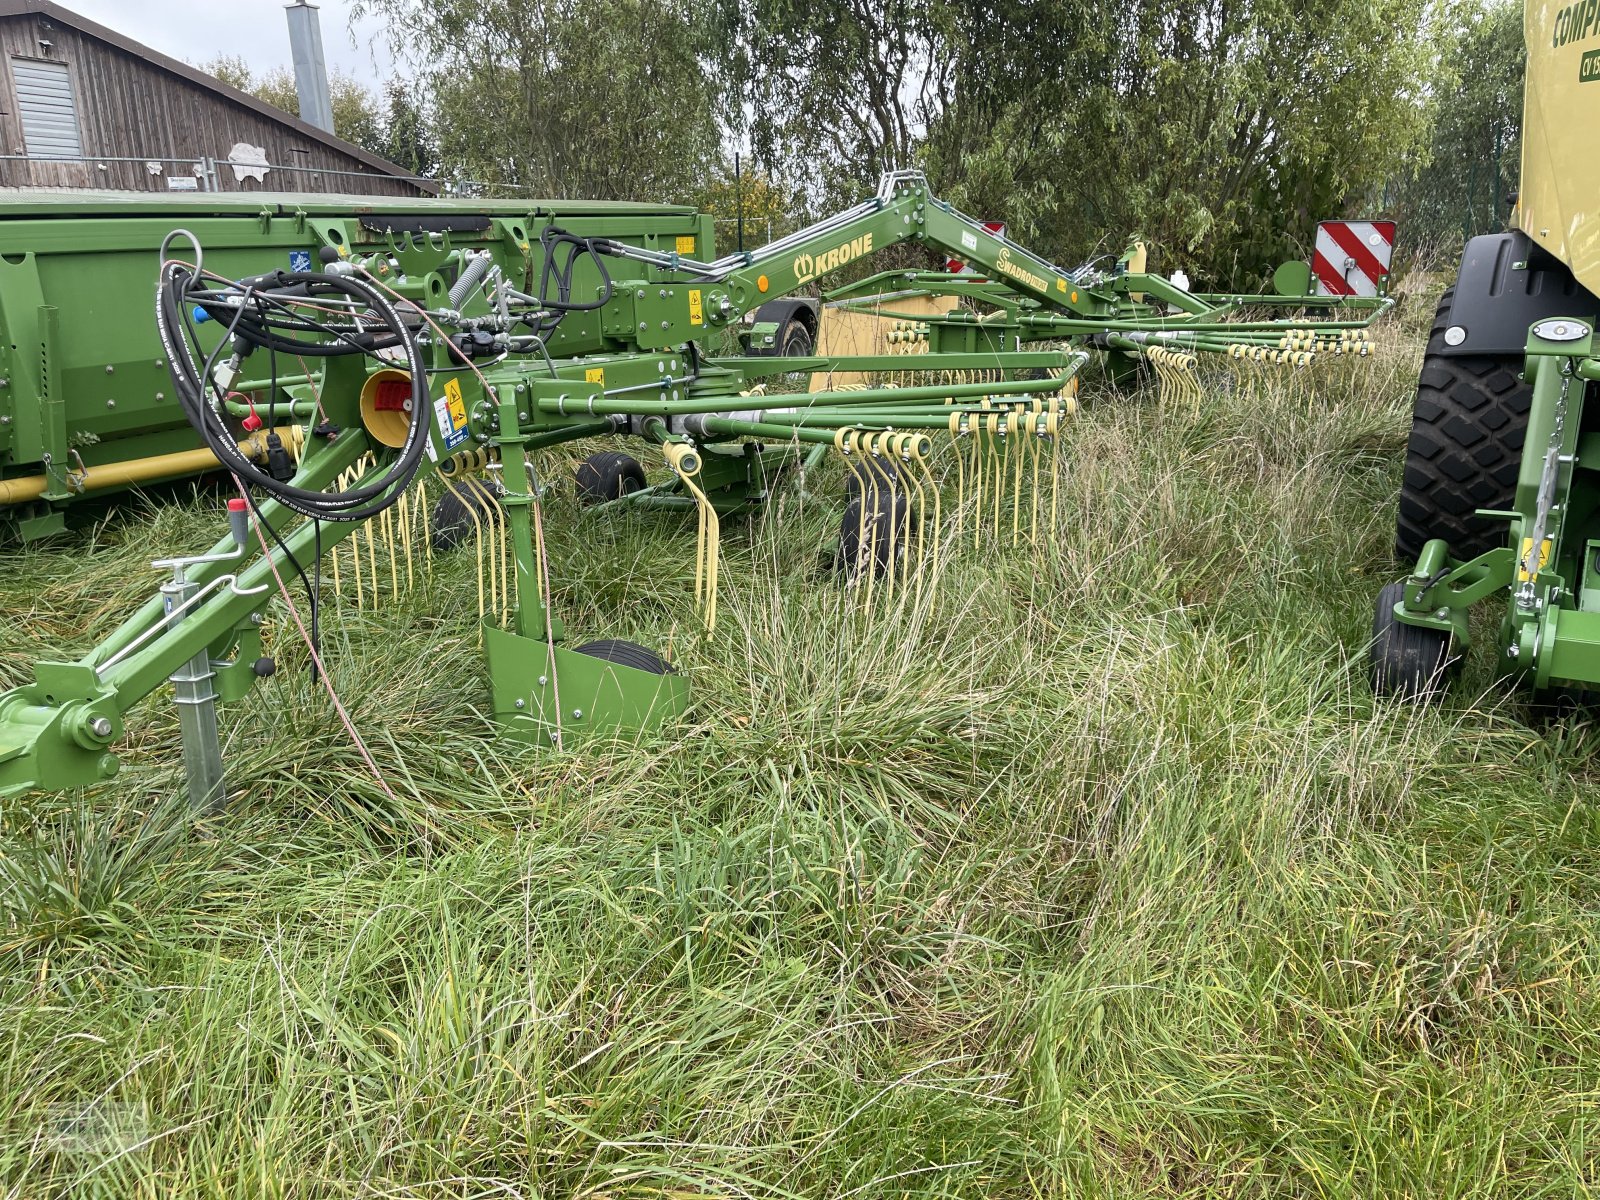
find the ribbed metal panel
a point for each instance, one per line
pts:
(48, 109)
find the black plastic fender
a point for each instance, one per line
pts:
(1506, 283)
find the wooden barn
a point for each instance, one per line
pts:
(82, 106)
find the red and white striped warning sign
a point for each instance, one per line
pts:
(1352, 257)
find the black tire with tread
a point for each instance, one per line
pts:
(627, 654)
(608, 475)
(1408, 661)
(1467, 429)
(795, 341)
(871, 472)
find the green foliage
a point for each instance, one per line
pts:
(357, 116)
(604, 99)
(1221, 131)
(768, 209)
(1097, 873)
(832, 95)
(751, 194)
(1462, 185)
(408, 131)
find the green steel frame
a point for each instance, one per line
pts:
(1549, 569)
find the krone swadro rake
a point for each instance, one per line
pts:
(390, 397)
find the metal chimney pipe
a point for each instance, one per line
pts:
(310, 68)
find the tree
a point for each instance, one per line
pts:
(408, 137)
(589, 98)
(767, 209)
(1222, 131)
(1462, 185)
(357, 117)
(831, 94)
(231, 69)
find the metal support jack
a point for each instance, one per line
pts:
(193, 684)
(196, 697)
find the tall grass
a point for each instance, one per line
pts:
(1098, 873)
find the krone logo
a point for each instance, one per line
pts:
(808, 266)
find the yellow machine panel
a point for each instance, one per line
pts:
(1559, 198)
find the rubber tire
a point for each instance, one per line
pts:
(872, 469)
(795, 341)
(628, 654)
(1467, 429)
(609, 475)
(1407, 661)
(452, 519)
(892, 511)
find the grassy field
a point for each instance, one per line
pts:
(1099, 874)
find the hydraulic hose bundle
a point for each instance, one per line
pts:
(308, 314)
(557, 272)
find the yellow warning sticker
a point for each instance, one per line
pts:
(686, 243)
(1061, 285)
(697, 314)
(1522, 558)
(595, 375)
(450, 411)
(458, 403)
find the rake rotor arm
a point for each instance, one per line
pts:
(700, 296)
(902, 210)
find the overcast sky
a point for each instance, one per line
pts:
(199, 30)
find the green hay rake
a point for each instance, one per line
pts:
(443, 349)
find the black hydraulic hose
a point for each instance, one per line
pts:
(260, 332)
(577, 247)
(351, 504)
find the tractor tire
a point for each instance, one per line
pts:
(879, 540)
(462, 510)
(1408, 662)
(609, 475)
(1467, 428)
(627, 654)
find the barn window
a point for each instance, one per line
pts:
(48, 108)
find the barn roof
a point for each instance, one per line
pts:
(65, 16)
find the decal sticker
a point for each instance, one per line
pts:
(450, 410)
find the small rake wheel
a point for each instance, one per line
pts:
(609, 475)
(462, 510)
(1408, 661)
